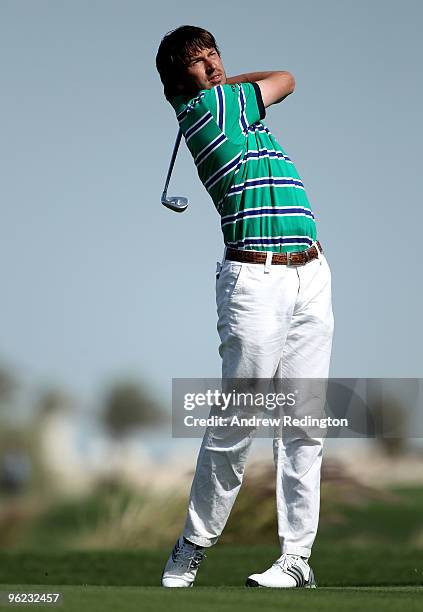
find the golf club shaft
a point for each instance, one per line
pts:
(172, 161)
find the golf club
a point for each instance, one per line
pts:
(175, 203)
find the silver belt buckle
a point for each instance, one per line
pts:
(288, 258)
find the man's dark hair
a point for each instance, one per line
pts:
(174, 52)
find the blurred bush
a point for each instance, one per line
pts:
(113, 516)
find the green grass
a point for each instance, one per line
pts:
(368, 555)
(227, 599)
(397, 520)
(115, 518)
(224, 566)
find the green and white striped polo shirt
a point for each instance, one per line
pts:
(253, 183)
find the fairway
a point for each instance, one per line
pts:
(225, 566)
(371, 560)
(128, 580)
(227, 599)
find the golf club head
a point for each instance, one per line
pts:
(175, 203)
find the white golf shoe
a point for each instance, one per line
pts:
(182, 566)
(287, 572)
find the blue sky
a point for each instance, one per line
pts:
(99, 280)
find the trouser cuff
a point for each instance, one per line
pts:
(289, 549)
(199, 541)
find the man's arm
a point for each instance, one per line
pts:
(275, 86)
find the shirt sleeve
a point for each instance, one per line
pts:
(236, 107)
(259, 100)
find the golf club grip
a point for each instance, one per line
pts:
(172, 161)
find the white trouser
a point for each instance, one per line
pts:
(273, 321)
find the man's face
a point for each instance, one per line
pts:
(204, 70)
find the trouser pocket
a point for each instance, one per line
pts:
(228, 282)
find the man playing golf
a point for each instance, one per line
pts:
(273, 295)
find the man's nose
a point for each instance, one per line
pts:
(211, 66)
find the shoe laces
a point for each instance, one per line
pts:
(186, 554)
(286, 561)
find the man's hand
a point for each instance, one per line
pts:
(275, 86)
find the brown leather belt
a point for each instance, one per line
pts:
(295, 258)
